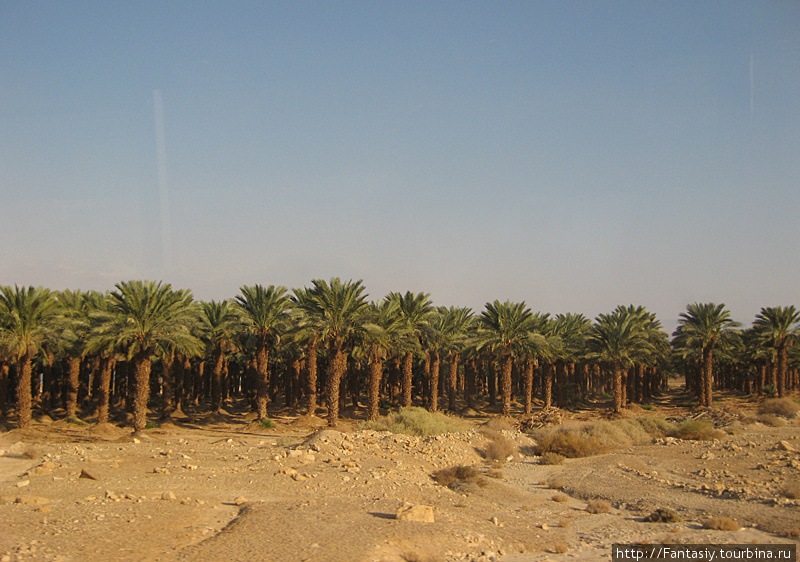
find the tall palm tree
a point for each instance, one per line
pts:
(101, 343)
(778, 327)
(150, 319)
(506, 330)
(264, 311)
(571, 331)
(74, 327)
(380, 332)
(618, 339)
(306, 333)
(339, 313)
(218, 321)
(415, 311)
(453, 328)
(703, 327)
(27, 321)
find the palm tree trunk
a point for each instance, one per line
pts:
(529, 368)
(407, 377)
(216, 378)
(452, 385)
(3, 388)
(73, 379)
(547, 389)
(337, 367)
(375, 374)
(311, 377)
(168, 388)
(24, 398)
(708, 377)
(469, 386)
(781, 374)
(262, 380)
(434, 404)
(141, 368)
(505, 385)
(619, 397)
(106, 366)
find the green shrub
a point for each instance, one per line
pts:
(76, 421)
(151, 425)
(697, 430)
(769, 390)
(267, 424)
(657, 427)
(417, 421)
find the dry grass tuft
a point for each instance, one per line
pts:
(495, 473)
(555, 484)
(560, 548)
(560, 498)
(784, 407)
(462, 479)
(793, 533)
(564, 523)
(663, 515)
(721, 524)
(772, 420)
(698, 430)
(552, 458)
(598, 506)
(499, 448)
(791, 490)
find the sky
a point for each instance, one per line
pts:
(574, 155)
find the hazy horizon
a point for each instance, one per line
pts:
(576, 156)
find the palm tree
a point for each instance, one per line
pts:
(264, 311)
(100, 343)
(778, 327)
(306, 333)
(453, 327)
(506, 330)
(414, 310)
(27, 321)
(338, 312)
(618, 339)
(150, 319)
(74, 327)
(382, 328)
(218, 322)
(703, 327)
(571, 331)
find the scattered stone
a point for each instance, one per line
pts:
(418, 512)
(23, 483)
(785, 446)
(241, 500)
(87, 474)
(161, 470)
(168, 496)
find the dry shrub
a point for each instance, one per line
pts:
(663, 515)
(721, 524)
(495, 473)
(560, 548)
(555, 484)
(791, 490)
(592, 439)
(417, 421)
(793, 533)
(552, 458)
(464, 479)
(560, 498)
(784, 407)
(698, 430)
(598, 506)
(500, 448)
(569, 443)
(772, 420)
(499, 424)
(564, 523)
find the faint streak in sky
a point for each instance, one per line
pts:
(163, 187)
(751, 87)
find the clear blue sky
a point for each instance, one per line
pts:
(575, 155)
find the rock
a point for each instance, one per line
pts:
(299, 477)
(495, 520)
(161, 470)
(32, 500)
(7, 499)
(87, 474)
(785, 446)
(241, 500)
(418, 512)
(23, 483)
(168, 496)
(40, 470)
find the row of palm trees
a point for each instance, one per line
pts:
(399, 347)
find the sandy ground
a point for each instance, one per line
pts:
(223, 489)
